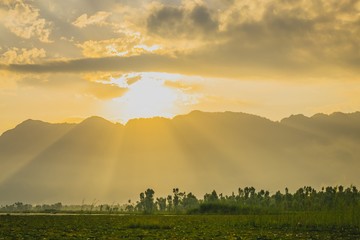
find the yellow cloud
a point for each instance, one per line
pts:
(22, 56)
(125, 46)
(105, 91)
(96, 19)
(100, 76)
(236, 39)
(110, 47)
(184, 86)
(7, 2)
(24, 21)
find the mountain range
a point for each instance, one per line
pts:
(96, 159)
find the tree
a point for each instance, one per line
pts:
(140, 205)
(190, 201)
(177, 199)
(169, 202)
(129, 207)
(149, 201)
(213, 197)
(161, 203)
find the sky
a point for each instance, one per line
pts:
(122, 59)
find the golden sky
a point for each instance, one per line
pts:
(120, 59)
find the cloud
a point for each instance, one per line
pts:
(208, 63)
(270, 39)
(183, 85)
(7, 3)
(105, 91)
(22, 56)
(24, 21)
(97, 19)
(202, 18)
(125, 64)
(99, 88)
(124, 46)
(175, 22)
(132, 80)
(100, 76)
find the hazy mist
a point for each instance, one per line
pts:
(198, 152)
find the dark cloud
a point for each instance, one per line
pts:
(317, 38)
(166, 22)
(123, 64)
(202, 18)
(175, 22)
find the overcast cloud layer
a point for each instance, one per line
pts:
(237, 39)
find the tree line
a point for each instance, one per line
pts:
(245, 201)
(249, 201)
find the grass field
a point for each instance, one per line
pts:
(290, 226)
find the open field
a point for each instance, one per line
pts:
(286, 226)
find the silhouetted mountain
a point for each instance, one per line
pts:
(30, 135)
(197, 152)
(335, 125)
(25, 142)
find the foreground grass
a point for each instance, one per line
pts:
(285, 226)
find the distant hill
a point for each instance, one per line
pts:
(42, 162)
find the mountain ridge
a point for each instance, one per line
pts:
(198, 151)
(95, 118)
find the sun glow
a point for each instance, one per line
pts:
(146, 97)
(151, 94)
(149, 98)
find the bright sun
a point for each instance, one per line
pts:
(149, 98)
(150, 95)
(145, 98)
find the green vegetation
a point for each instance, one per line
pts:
(345, 202)
(295, 226)
(331, 213)
(339, 201)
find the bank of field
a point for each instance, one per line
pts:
(285, 226)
